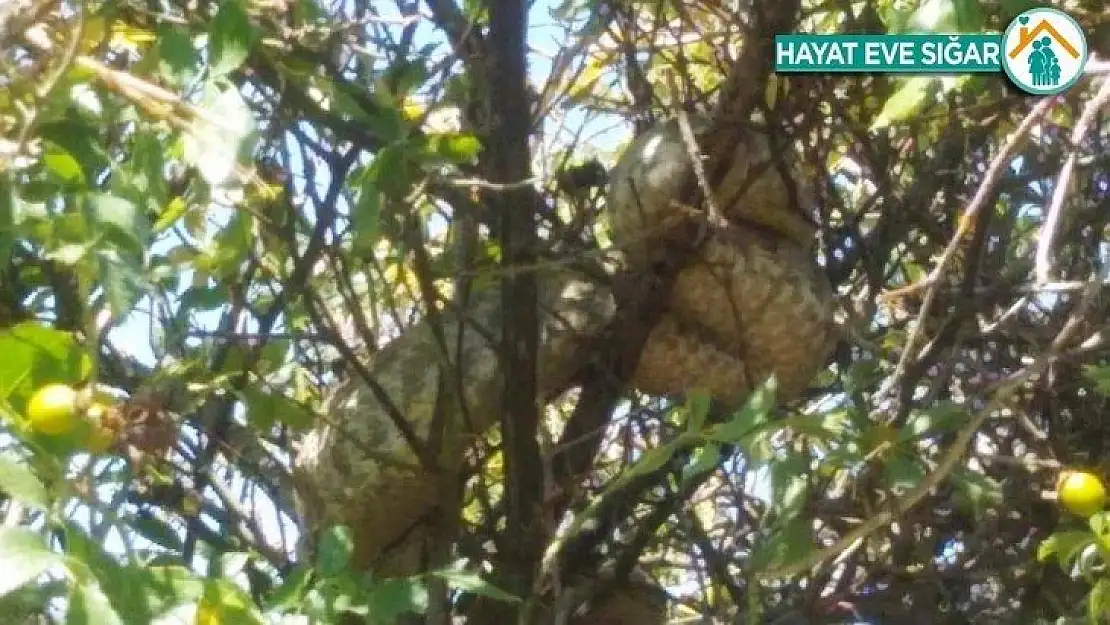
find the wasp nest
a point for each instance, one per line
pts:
(753, 303)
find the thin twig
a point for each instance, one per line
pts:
(1042, 262)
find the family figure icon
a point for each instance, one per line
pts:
(1044, 67)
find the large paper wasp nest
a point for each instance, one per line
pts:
(752, 304)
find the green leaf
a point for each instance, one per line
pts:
(969, 15)
(697, 409)
(1100, 527)
(137, 594)
(455, 148)
(862, 375)
(905, 103)
(24, 556)
(122, 281)
(939, 418)
(175, 210)
(789, 486)
(176, 53)
(229, 604)
(392, 598)
(705, 459)
(902, 472)
(229, 38)
(473, 583)
(748, 419)
(1100, 375)
(292, 591)
(1064, 545)
(204, 298)
(392, 171)
(157, 532)
(80, 139)
(62, 165)
(982, 492)
(789, 542)
(651, 461)
(88, 605)
(19, 482)
(1098, 601)
(367, 216)
(266, 408)
(120, 217)
(334, 552)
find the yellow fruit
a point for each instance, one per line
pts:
(1081, 493)
(53, 409)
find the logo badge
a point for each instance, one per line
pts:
(1044, 51)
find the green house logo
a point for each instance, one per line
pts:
(1044, 51)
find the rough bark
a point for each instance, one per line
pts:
(752, 304)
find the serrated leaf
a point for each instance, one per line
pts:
(24, 556)
(229, 38)
(19, 482)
